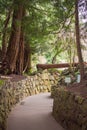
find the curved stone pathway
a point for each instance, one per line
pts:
(33, 113)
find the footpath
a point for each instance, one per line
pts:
(33, 113)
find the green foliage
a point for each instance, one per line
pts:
(46, 25)
(5, 6)
(54, 70)
(1, 82)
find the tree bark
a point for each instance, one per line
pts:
(17, 58)
(20, 59)
(62, 65)
(9, 63)
(78, 41)
(27, 58)
(4, 40)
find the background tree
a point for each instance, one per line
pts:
(4, 37)
(78, 40)
(5, 15)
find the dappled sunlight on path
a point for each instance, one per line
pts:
(33, 113)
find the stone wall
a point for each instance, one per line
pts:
(70, 109)
(13, 92)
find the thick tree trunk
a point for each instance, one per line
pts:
(13, 47)
(9, 63)
(78, 40)
(20, 58)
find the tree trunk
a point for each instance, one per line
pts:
(27, 58)
(20, 59)
(48, 66)
(54, 58)
(78, 40)
(4, 40)
(9, 64)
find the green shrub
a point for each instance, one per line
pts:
(1, 82)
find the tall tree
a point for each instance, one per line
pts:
(4, 39)
(78, 40)
(16, 42)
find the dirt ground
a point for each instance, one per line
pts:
(79, 88)
(12, 77)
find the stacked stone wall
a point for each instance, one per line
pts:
(70, 109)
(13, 92)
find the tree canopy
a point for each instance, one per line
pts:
(47, 28)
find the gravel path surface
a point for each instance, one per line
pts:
(33, 113)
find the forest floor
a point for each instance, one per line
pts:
(13, 77)
(79, 88)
